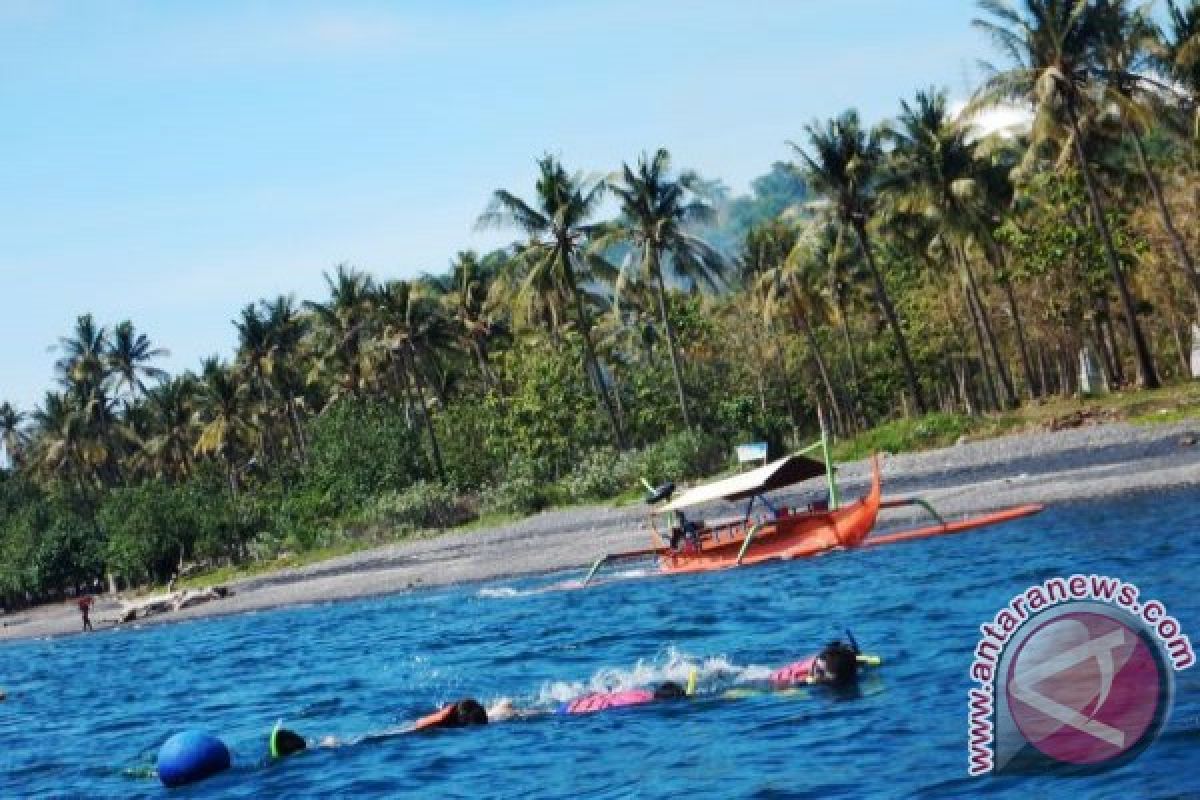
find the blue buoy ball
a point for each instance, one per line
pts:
(191, 756)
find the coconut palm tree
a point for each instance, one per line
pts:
(1056, 48)
(1000, 156)
(256, 356)
(13, 436)
(223, 416)
(286, 331)
(129, 356)
(412, 330)
(466, 294)
(62, 447)
(1179, 56)
(1129, 37)
(168, 448)
(792, 280)
(842, 164)
(553, 264)
(658, 214)
(85, 374)
(934, 172)
(342, 329)
(83, 366)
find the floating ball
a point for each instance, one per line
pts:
(191, 756)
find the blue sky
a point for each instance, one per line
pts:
(168, 162)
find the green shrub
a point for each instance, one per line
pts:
(905, 435)
(690, 454)
(422, 505)
(150, 530)
(301, 522)
(600, 474)
(520, 493)
(473, 442)
(358, 450)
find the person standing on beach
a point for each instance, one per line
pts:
(85, 607)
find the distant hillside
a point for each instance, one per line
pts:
(770, 195)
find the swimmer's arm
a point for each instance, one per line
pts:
(386, 733)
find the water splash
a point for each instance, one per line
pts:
(713, 674)
(504, 592)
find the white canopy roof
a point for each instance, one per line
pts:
(776, 475)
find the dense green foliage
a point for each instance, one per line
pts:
(917, 265)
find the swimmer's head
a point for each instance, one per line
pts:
(285, 743)
(837, 664)
(669, 690)
(467, 712)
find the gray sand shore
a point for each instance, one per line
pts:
(1032, 467)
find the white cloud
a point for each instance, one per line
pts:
(339, 31)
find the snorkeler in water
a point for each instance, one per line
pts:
(836, 665)
(461, 714)
(602, 701)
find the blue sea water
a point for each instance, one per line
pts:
(86, 714)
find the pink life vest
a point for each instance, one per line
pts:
(792, 674)
(602, 701)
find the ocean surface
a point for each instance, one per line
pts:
(85, 715)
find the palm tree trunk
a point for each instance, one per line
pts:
(267, 441)
(1147, 376)
(1110, 340)
(815, 346)
(1106, 362)
(481, 356)
(1181, 252)
(1035, 389)
(964, 388)
(670, 330)
(618, 405)
(988, 383)
(592, 367)
(789, 401)
(297, 428)
(418, 383)
(856, 404)
(1181, 349)
(889, 312)
(1010, 396)
(997, 259)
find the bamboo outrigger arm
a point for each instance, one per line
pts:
(746, 543)
(607, 557)
(914, 501)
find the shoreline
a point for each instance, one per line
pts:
(1045, 467)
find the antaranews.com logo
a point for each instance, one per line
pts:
(1075, 674)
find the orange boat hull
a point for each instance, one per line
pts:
(783, 538)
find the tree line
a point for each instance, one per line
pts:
(916, 266)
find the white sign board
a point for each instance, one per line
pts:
(752, 452)
(1091, 379)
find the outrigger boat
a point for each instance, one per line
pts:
(779, 531)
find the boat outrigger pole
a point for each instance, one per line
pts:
(823, 446)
